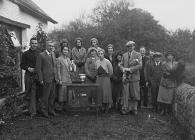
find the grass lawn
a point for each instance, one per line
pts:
(87, 126)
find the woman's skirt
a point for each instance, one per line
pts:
(165, 95)
(62, 96)
(105, 84)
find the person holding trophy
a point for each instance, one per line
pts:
(130, 65)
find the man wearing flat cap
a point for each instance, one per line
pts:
(47, 75)
(153, 77)
(131, 64)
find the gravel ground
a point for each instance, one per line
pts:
(90, 126)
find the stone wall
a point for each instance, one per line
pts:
(184, 107)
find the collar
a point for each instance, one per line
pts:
(47, 52)
(157, 63)
(130, 53)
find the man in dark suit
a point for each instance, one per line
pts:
(28, 63)
(46, 70)
(153, 77)
(143, 87)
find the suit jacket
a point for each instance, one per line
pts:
(46, 67)
(63, 68)
(154, 74)
(133, 61)
(142, 70)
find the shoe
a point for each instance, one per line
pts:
(162, 113)
(45, 114)
(32, 116)
(123, 112)
(53, 113)
(135, 112)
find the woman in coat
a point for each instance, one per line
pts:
(63, 71)
(79, 57)
(167, 84)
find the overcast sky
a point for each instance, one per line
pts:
(172, 14)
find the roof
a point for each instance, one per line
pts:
(12, 22)
(33, 9)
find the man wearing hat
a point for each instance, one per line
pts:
(130, 65)
(153, 77)
(47, 75)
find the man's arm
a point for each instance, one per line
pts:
(23, 63)
(138, 66)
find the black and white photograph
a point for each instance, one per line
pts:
(97, 70)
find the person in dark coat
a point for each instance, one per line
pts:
(153, 78)
(28, 64)
(117, 81)
(47, 75)
(143, 87)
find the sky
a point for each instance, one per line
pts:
(172, 14)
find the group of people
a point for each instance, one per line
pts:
(124, 78)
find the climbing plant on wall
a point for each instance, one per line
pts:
(41, 37)
(9, 71)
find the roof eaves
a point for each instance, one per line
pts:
(46, 17)
(14, 23)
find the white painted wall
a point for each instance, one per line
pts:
(12, 11)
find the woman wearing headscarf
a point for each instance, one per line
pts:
(168, 83)
(104, 72)
(94, 45)
(79, 57)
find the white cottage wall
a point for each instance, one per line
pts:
(12, 11)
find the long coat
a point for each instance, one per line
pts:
(131, 88)
(167, 84)
(63, 68)
(79, 57)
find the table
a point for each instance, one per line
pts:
(84, 95)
